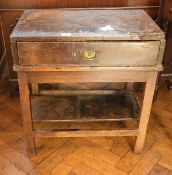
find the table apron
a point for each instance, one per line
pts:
(88, 76)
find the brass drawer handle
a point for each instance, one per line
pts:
(89, 55)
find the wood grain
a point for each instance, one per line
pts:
(145, 113)
(107, 53)
(75, 3)
(97, 24)
(87, 76)
(25, 108)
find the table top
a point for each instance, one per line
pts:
(85, 24)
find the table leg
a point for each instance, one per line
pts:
(145, 112)
(26, 112)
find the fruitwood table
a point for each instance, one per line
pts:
(86, 45)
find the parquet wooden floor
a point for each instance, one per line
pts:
(85, 156)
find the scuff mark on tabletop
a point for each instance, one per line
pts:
(107, 28)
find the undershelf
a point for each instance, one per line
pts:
(72, 115)
(118, 107)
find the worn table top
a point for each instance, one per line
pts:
(85, 24)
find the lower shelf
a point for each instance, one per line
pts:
(80, 116)
(118, 107)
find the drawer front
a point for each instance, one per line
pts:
(88, 53)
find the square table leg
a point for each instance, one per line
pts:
(26, 112)
(145, 112)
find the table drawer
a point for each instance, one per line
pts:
(119, 53)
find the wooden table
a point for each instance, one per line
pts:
(68, 46)
(11, 11)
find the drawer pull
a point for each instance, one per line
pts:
(88, 55)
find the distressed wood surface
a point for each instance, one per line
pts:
(87, 76)
(72, 53)
(116, 107)
(102, 133)
(26, 112)
(85, 68)
(146, 109)
(67, 25)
